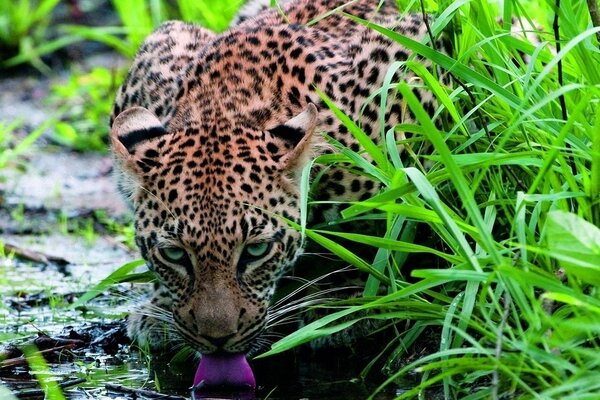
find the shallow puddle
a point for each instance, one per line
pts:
(36, 299)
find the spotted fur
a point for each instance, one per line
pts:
(210, 134)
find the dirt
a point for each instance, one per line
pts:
(54, 208)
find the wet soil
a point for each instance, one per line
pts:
(57, 209)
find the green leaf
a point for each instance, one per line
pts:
(120, 275)
(40, 370)
(575, 243)
(65, 133)
(322, 326)
(392, 244)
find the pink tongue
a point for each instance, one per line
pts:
(224, 370)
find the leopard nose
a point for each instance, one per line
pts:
(218, 342)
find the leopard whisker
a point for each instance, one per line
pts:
(288, 320)
(306, 284)
(156, 312)
(324, 256)
(159, 201)
(312, 298)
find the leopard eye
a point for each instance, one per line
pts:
(173, 254)
(257, 250)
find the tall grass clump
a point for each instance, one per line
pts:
(511, 196)
(24, 36)
(139, 18)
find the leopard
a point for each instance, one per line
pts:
(211, 134)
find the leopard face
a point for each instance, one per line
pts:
(211, 219)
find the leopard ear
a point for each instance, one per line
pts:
(292, 144)
(136, 134)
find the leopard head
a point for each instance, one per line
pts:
(211, 199)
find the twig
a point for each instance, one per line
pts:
(426, 21)
(141, 392)
(40, 299)
(13, 355)
(594, 15)
(116, 243)
(34, 256)
(40, 392)
(21, 360)
(561, 98)
(556, 28)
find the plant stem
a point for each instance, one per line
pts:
(594, 15)
(555, 27)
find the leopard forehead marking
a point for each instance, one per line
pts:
(219, 156)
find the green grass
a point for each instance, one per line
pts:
(11, 149)
(26, 35)
(24, 30)
(513, 196)
(140, 17)
(84, 103)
